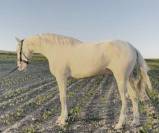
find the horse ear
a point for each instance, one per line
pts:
(18, 40)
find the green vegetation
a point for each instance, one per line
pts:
(153, 63)
(74, 113)
(6, 57)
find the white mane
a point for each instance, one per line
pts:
(56, 39)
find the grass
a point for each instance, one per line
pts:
(153, 63)
(6, 57)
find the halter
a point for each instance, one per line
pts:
(21, 53)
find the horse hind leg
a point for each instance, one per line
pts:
(133, 94)
(122, 84)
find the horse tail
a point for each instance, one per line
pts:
(144, 71)
(141, 80)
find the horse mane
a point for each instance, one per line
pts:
(55, 39)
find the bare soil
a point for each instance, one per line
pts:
(29, 103)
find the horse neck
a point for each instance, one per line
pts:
(38, 47)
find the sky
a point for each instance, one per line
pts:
(135, 21)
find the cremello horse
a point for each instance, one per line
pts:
(69, 57)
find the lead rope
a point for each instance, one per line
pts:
(13, 70)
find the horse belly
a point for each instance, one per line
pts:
(87, 62)
(84, 71)
(83, 74)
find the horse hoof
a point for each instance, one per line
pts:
(60, 122)
(118, 126)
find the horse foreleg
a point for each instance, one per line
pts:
(61, 81)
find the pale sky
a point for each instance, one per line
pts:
(136, 21)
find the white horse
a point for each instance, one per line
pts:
(69, 57)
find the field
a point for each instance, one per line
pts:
(29, 101)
